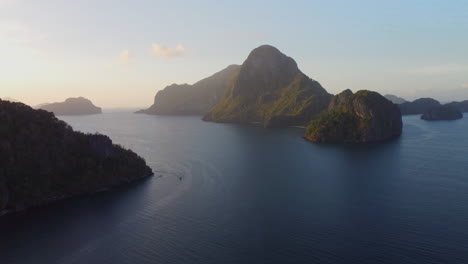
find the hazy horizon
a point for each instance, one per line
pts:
(120, 54)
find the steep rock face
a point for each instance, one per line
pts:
(445, 112)
(461, 106)
(362, 117)
(194, 99)
(340, 98)
(418, 106)
(42, 159)
(73, 106)
(269, 88)
(395, 99)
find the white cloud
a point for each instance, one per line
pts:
(125, 56)
(167, 53)
(439, 69)
(15, 33)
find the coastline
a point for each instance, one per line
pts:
(52, 200)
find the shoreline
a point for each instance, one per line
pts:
(51, 200)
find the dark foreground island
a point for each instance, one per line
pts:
(42, 160)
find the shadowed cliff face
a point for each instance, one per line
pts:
(196, 99)
(42, 159)
(72, 106)
(361, 117)
(270, 88)
(445, 112)
(340, 98)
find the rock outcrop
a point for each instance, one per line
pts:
(445, 112)
(42, 159)
(418, 106)
(73, 106)
(196, 99)
(269, 88)
(355, 118)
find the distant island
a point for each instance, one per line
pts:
(361, 117)
(196, 99)
(461, 106)
(395, 99)
(418, 106)
(445, 112)
(431, 109)
(72, 106)
(42, 159)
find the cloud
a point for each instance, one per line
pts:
(15, 33)
(439, 69)
(464, 86)
(125, 57)
(167, 53)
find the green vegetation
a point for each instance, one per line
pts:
(361, 117)
(336, 125)
(196, 99)
(42, 159)
(269, 88)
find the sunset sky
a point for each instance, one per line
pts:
(120, 53)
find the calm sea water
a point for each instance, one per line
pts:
(243, 194)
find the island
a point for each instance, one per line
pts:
(395, 99)
(72, 106)
(42, 159)
(196, 99)
(418, 106)
(365, 116)
(270, 89)
(461, 106)
(445, 112)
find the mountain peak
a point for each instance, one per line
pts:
(269, 56)
(266, 69)
(270, 88)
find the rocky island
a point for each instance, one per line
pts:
(196, 99)
(72, 106)
(445, 112)
(395, 99)
(42, 159)
(356, 118)
(461, 106)
(270, 89)
(418, 106)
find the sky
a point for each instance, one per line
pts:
(120, 53)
